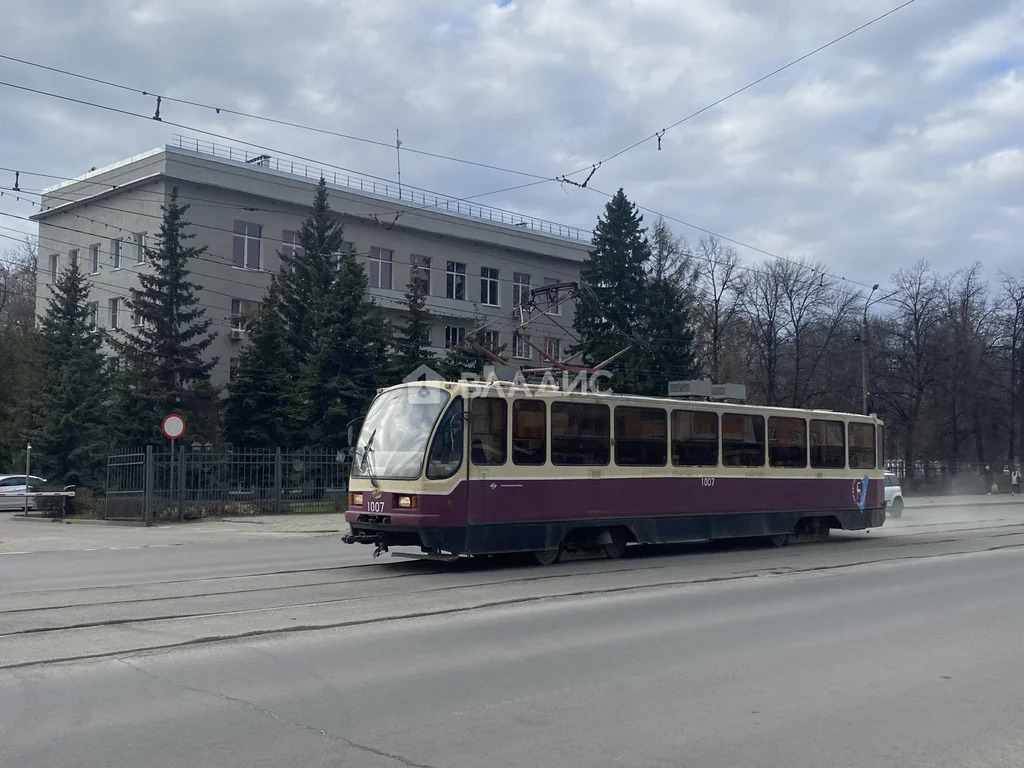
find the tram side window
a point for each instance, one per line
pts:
(787, 442)
(580, 434)
(446, 450)
(529, 432)
(828, 444)
(694, 438)
(489, 431)
(641, 437)
(862, 446)
(742, 440)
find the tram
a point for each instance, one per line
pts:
(482, 468)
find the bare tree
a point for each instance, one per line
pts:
(911, 352)
(17, 345)
(718, 286)
(1011, 342)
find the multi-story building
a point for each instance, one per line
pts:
(478, 262)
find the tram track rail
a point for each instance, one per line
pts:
(123, 624)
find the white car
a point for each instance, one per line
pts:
(893, 495)
(13, 486)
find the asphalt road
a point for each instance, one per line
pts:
(158, 564)
(898, 647)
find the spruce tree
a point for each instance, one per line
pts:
(256, 409)
(412, 346)
(163, 364)
(68, 419)
(319, 347)
(348, 358)
(467, 357)
(613, 304)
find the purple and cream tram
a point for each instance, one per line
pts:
(478, 468)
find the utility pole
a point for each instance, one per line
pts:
(864, 350)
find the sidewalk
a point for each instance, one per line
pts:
(41, 535)
(975, 500)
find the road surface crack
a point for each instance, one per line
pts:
(279, 718)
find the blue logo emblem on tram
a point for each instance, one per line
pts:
(863, 492)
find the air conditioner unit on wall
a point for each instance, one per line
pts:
(237, 334)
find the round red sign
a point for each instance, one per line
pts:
(173, 426)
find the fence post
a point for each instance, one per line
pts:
(147, 499)
(181, 482)
(277, 481)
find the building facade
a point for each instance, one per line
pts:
(478, 262)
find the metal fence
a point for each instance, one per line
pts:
(952, 477)
(381, 188)
(156, 483)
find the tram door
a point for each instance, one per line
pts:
(488, 452)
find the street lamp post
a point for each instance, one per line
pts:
(864, 350)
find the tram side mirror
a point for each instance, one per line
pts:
(351, 434)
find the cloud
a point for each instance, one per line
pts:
(900, 142)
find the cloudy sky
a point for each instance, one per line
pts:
(902, 141)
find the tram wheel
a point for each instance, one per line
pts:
(617, 547)
(547, 556)
(779, 540)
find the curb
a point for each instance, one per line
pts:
(945, 504)
(128, 523)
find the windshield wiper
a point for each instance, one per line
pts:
(365, 461)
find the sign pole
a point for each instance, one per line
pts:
(28, 468)
(173, 427)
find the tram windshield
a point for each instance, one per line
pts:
(394, 435)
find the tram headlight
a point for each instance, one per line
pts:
(407, 502)
(355, 499)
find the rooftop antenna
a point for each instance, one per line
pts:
(398, 158)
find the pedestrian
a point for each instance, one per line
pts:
(1015, 482)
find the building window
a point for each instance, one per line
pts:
(553, 348)
(641, 437)
(787, 442)
(345, 247)
(232, 368)
(114, 308)
(94, 258)
(241, 311)
(94, 314)
(580, 434)
(553, 298)
(456, 281)
(489, 286)
(491, 340)
(246, 245)
(116, 252)
(54, 266)
(138, 321)
(140, 247)
(380, 267)
(454, 335)
(420, 270)
(520, 349)
(73, 257)
(520, 288)
(291, 247)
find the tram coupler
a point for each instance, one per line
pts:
(360, 538)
